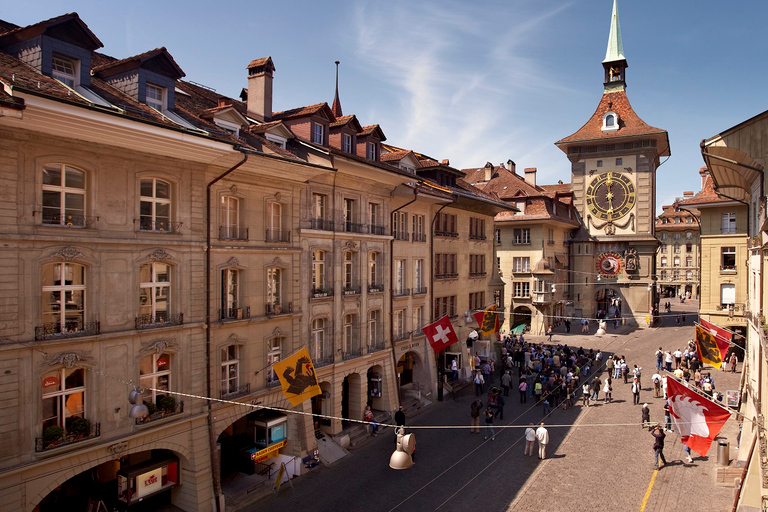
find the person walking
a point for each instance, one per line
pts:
(645, 416)
(585, 394)
(506, 382)
(635, 392)
(489, 424)
(595, 389)
(658, 446)
(479, 381)
(530, 440)
(733, 361)
(545, 404)
(659, 359)
(656, 379)
(400, 417)
(474, 414)
(549, 333)
(543, 437)
(523, 388)
(454, 370)
(608, 389)
(636, 372)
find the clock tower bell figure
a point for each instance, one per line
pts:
(614, 158)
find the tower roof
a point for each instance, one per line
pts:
(615, 50)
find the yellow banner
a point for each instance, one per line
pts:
(489, 321)
(707, 347)
(297, 377)
(268, 452)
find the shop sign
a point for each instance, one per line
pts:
(269, 451)
(162, 362)
(411, 345)
(149, 482)
(51, 380)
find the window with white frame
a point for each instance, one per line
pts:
(676, 249)
(727, 294)
(677, 236)
(728, 223)
(521, 235)
(63, 297)
(497, 236)
(663, 236)
(663, 275)
(319, 210)
(350, 215)
(318, 269)
(728, 258)
(398, 327)
(155, 97)
(64, 69)
(274, 353)
(274, 287)
(418, 276)
(63, 397)
(155, 376)
(371, 151)
(349, 334)
(688, 261)
(155, 291)
(373, 328)
(230, 218)
(346, 142)
(689, 235)
(374, 216)
(522, 289)
(663, 261)
(373, 269)
(230, 369)
(63, 196)
(400, 226)
(418, 233)
(349, 268)
(155, 207)
(676, 261)
(318, 348)
(230, 293)
(275, 223)
(521, 264)
(663, 248)
(418, 320)
(318, 133)
(399, 277)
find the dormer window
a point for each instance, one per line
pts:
(346, 142)
(371, 151)
(280, 141)
(64, 70)
(317, 133)
(155, 97)
(610, 122)
(228, 127)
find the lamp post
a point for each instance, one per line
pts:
(401, 457)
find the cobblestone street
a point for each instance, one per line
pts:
(596, 460)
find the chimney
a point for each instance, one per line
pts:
(530, 175)
(445, 162)
(488, 171)
(511, 166)
(222, 102)
(703, 172)
(260, 88)
(687, 194)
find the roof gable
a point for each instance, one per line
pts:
(158, 61)
(67, 27)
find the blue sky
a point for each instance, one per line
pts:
(469, 81)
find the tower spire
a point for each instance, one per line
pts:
(615, 63)
(336, 107)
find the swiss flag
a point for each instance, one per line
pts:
(697, 419)
(440, 334)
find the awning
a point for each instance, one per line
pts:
(518, 330)
(733, 171)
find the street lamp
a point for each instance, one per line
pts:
(138, 409)
(401, 457)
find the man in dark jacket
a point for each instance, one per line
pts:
(658, 446)
(400, 417)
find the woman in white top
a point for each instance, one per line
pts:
(607, 389)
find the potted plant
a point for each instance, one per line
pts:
(80, 428)
(167, 404)
(151, 408)
(52, 435)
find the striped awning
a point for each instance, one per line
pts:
(733, 171)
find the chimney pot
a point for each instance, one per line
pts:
(260, 88)
(445, 162)
(511, 166)
(530, 175)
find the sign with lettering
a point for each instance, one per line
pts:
(269, 451)
(50, 381)
(149, 482)
(409, 345)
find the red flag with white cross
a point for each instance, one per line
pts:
(440, 334)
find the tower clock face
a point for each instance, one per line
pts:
(610, 196)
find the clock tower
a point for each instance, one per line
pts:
(614, 157)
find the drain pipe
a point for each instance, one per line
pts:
(215, 470)
(392, 291)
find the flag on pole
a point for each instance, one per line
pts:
(697, 419)
(722, 336)
(488, 320)
(709, 349)
(297, 377)
(440, 334)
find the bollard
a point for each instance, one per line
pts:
(723, 455)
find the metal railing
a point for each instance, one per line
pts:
(353, 227)
(351, 290)
(158, 226)
(321, 224)
(277, 236)
(375, 288)
(400, 336)
(452, 234)
(323, 360)
(242, 390)
(447, 275)
(158, 320)
(55, 331)
(420, 291)
(399, 235)
(46, 443)
(376, 347)
(476, 236)
(318, 293)
(419, 237)
(233, 233)
(401, 292)
(159, 414)
(351, 354)
(235, 313)
(278, 308)
(376, 230)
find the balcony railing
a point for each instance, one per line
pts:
(352, 290)
(321, 224)
(478, 274)
(54, 331)
(550, 242)
(273, 236)
(47, 442)
(353, 227)
(278, 308)
(452, 234)
(352, 353)
(376, 230)
(318, 293)
(233, 233)
(273, 381)
(171, 409)
(728, 269)
(401, 292)
(242, 390)
(376, 347)
(400, 336)
(476, 236)
(235, 313)
(447, 275)
(521, 241)
(158, 320)
(420, 290)
(323, 360)
(158, 226)
(69, 220)
(419, 237)
(399, 235)
(375, 288)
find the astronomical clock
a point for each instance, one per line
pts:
(610, 198)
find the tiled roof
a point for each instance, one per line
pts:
(136, 61)
(303, 111)
(372, 129)
(707, 195)
(630, 123)
(396, 156)
(11, 32)
(260, 62)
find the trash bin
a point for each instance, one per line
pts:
(723, 453)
